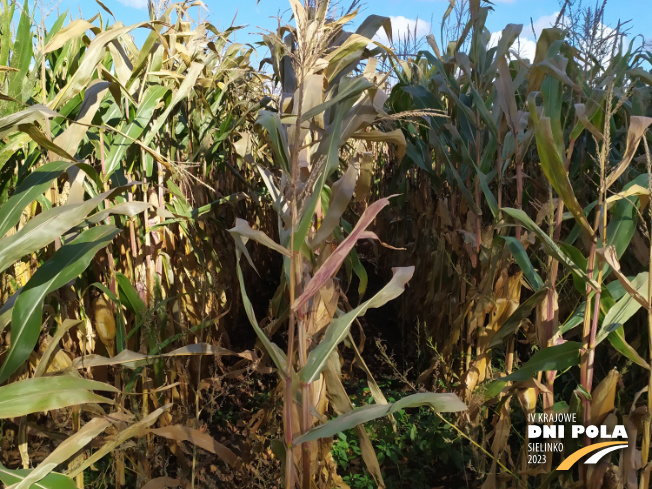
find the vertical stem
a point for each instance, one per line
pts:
(645, 447)
(295, 267)
(596, 306)
(594, 328)
(509, 356)
(288, 404)
(160, 234)
(519, 183)
(478, 219)
(478, 200)
(109, 249)
(132, 229)
(586, 333)
(21, 439)
(306, 401)
(500, 175)
(145, 408)
(149, 275)
(76, 426)
(591, 327)
(118, 459)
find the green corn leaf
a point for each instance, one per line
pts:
(617, 340)
(94, 54)
(21, 57)
(443, 403)
(339, 327)
(486, 116)
(624, 309)
(5, 310)
(372, 24)
(272, 349)
(129, 295)
(558, 357)
(27, 116)
(580, 260)
(242, 232)
(135, 129)
(45, 228)
(46, 393)
(51, 481)
(574, 320)
(552, 163)
(182, 93)
(624, 217)
(6, 16)
(332, 163)
(549, 245)
(32, 187)
(520, 255)
(346, 56)
(272, 124)
(66, 264)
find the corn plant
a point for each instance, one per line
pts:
(330, 105)
(524, 132)
(516, 191)
(106, 147)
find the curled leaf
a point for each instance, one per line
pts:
(332, 264)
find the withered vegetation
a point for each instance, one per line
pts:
(359, 264)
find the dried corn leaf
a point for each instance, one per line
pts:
(202, 440)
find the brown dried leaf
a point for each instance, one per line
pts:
(162, 482)
(202, 440)
(637, 128)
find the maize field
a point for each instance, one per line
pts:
(322, 260)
